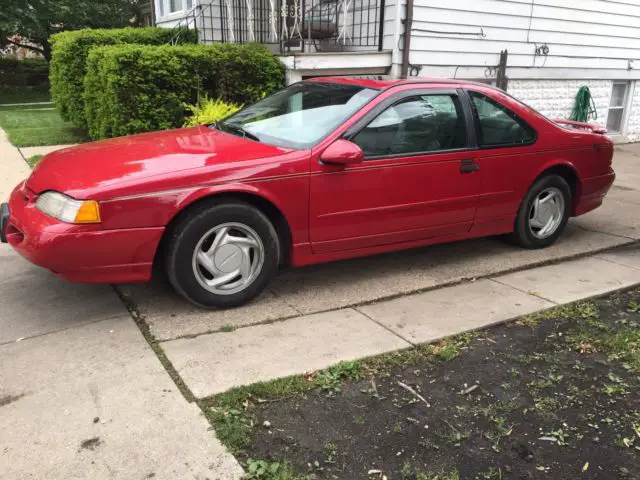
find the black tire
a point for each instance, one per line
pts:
(192, 227)
(522, 234)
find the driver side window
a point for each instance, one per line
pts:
(415, 125)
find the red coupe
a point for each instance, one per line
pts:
(323, 170)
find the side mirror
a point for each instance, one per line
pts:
(342, 152)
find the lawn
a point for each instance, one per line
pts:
(35, 125)
(24, 96)
(554, 395)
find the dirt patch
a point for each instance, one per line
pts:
(7, 399)
(90, 443)
(550, 396)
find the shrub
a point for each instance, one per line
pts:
(69, 56)
(209, 111)
(139, 88)
(29, 72)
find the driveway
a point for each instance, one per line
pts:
(353, 282)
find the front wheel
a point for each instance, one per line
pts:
(544, 213)
(222, 255)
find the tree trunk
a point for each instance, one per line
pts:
(46, 50)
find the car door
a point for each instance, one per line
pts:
(507, 156)
(418, 179)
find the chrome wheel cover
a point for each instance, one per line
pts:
(228, 258)
(546, 213)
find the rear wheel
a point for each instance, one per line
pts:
(544, 213)
(222, 255)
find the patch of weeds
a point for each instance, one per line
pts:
(560, 435)
(613, 389)
(359, 419)
(454, 475)
(330, 380)
(617, 387)
(264, 470)
(450, 348)
(455, 437)
(631, 441)
(562, 312)
(622, 345)
(498, 431)
(493, 473)
(406, 471)
(397, 428)
(33, 160)
(546, 405)
(633, 307)
(546, 381)
(227, 328)
(231, 415)
(428, 444)
(330, 452)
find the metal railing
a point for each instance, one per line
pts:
(290, 25)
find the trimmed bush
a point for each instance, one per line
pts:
(138, 88)
(29, 72)
(69, 58)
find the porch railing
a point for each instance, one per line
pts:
(291, 25)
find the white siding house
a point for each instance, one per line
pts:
(554, 46)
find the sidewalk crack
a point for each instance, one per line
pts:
(412, 344)
(523, 291)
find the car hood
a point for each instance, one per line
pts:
(123, 165)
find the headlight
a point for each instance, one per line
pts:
(67, 209)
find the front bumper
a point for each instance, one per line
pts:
(4, 221)
(79, 253)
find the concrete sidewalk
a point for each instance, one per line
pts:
(215, 362)
(82, 395)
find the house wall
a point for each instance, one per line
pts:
(590, 42)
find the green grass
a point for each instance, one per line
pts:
(33, 160)
(35, 126)
(24, 96)
(231, 415)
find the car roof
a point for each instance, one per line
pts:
(385, 84)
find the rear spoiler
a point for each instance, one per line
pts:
(582, 125)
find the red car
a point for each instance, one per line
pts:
(323, 170)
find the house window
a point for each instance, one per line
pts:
(160, 4)
(175, 5)
(617, 106)
(189, 4)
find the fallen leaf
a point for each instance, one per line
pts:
(585, 467)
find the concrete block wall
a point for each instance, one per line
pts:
(556, 98)
(633, 127)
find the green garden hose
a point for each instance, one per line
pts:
(584, 108)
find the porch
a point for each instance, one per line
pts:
(291, 26)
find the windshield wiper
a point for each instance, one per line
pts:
(236, 129)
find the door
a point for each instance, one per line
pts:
(418, 179)
(508, 160)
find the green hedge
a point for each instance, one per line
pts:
(29, 72)
(139, 88)
(69, 56)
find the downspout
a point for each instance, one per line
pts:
(406, 45)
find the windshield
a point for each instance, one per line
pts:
(299, 116)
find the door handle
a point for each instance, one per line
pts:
(468, 166)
